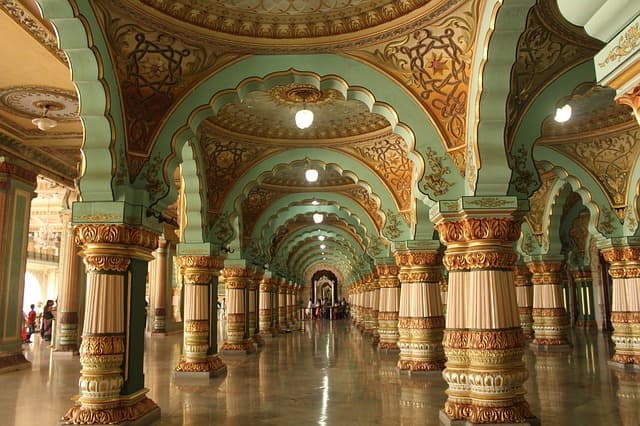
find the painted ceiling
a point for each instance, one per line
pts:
(161, 51)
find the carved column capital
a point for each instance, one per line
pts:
(110, 247)
(624, 262)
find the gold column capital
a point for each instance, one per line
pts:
(624, 261)
(110, 247)
(546, 272)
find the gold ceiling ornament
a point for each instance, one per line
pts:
(538, 202)
(30, 101)
(308, 94)
(434, 181)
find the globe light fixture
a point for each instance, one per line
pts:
(563, 114)
(323, 246)
(44, 123)
(315, 202)
(318, 218)
(321, 237)
(311, 175)
(304, 118)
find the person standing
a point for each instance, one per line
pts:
(31, 323)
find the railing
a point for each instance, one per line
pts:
(42, 257)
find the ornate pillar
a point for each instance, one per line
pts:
(550, 322)
(275, 304)
(200, 343)
(584, 289)
(16, 191)
(358, 310)
(389, 306)
(483, 340)
(237, 279)
(112, 381)
(67, 317)
(159, 286)
(367, 305)
(290, 305)
(524, 295)
(624, 268)
(282, 304)
(265, 315)
(421, 321)
(375, 312)
(254, 300)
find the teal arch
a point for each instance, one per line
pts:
(193, 228)
(100, 106)
(591, 194)
(494, 172)
(531, 126)
(311, 233)
(188, 115)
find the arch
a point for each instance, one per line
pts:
(200, 104)
(193, 230)
(99, 107)
(493, 173)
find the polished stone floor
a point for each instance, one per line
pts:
(328, 374)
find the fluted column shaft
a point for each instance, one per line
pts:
(254, 308)
(624, 268)
(111, 382)
(265, 321)
(367, 308)
(550, 322)
(159, 286)
(67, 318)
(199, 345)
(483, 340)
(17, 186)
(236, 281)
(290, 319)
(389, 307)
(375, 310)
(282, 304)
(524, 295)
(421, 320)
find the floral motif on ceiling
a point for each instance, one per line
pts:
(537, 205)
(579, 233)
(434, 63)
(155, 69)
(608, 157)
(388, 157)
(253, 206)
(280, 19)
(226, 161)
(547, 47)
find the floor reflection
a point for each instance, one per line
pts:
(329, 374)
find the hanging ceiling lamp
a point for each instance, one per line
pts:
(44, 123)
(318, 218)
(305, 94)
(321, 237)
(563, 114)
(311, 175)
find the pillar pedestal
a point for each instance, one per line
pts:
(199, 359)
(483, 340)
(421, 323)
(389, 307)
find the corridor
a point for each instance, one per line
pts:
(328, 374)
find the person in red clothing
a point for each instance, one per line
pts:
(31, 323)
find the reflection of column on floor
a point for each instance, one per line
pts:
(265, 325)
(552, 394)
(200, 320)
(628, 393)
(17, 185)
(524, 294)
(158, 306)
(253, 286)
(236, 280)
(357, 308)
(624, 262)
(550, 322)
(389, 304)
(112, 382)
(583, 280)
(421, 321)
(67, 317)
(483, 341)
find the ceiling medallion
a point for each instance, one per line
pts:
(29, 102)
(298, 94)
